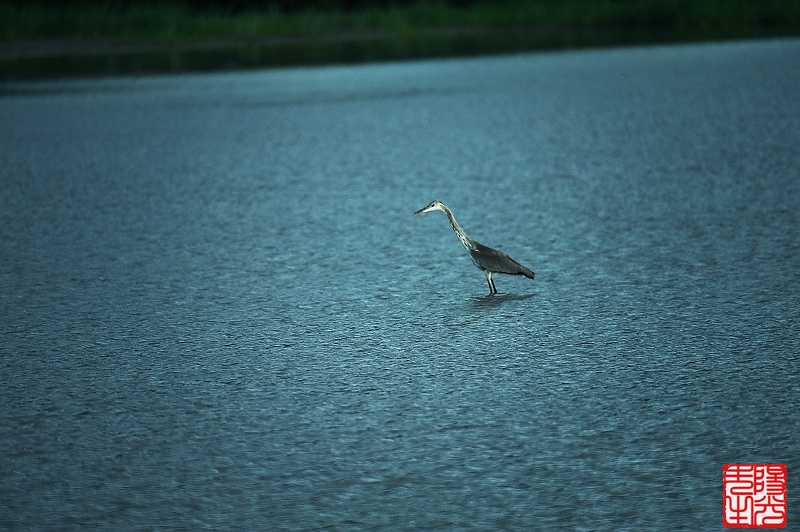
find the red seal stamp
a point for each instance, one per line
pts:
(754, 495)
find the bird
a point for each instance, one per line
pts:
(489, 260)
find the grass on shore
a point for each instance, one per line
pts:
(175, 22)
(118, 38)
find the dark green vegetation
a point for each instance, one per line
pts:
(51, 38)
(169, 22)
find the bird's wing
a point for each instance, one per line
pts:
(497, 261)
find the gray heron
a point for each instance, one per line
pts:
(487, 259)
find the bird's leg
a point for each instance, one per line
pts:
(492, 287)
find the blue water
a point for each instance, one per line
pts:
(218, 310)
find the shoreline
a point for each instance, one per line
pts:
(97, 39)
(43, 59)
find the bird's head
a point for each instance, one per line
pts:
(435, 205)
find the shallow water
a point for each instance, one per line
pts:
(218, 310)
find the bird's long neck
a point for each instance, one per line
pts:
(462, 236)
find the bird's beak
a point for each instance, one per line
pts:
(423, 210)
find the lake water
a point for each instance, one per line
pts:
(218, 310)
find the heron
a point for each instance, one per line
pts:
(489, 260)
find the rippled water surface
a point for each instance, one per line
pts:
(219, 311)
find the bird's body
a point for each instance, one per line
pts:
(489, 260)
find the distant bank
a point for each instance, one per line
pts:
(50, 40)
